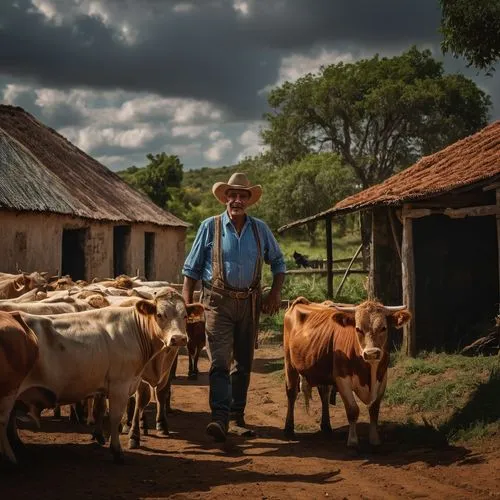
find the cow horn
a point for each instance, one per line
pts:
(345, 308)
(394, 308)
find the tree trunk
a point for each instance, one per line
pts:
(311, 233)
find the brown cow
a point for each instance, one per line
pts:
(18, 354)
(342, 346)
(12, 286)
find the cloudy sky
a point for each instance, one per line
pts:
(123, 78)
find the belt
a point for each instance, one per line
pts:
(234, 294)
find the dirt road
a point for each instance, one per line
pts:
(60, 461)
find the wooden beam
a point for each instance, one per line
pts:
(324, 272)
(348, 270)
(453, 213)
(393, 230)
(416, 213)
(491, 187)
(408, 278)
(329, 258)
(498, 237)
(458, 213)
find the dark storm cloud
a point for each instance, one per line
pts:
(211, 52)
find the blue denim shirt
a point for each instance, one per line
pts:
(239, 252)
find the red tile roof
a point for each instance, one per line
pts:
(468, 161)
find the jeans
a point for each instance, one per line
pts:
(230, 340)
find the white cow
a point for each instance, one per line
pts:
(101, 351)
(46, 308)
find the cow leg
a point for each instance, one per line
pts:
(142, 398)
(90, 411)
(167, 395)
(292, 389)
(99, 410)
(117, 403)
(76, 412)
(324, 394)
(193, 364)
(57, 411)
(12, 434)
(374, 412)
(128, 415)
(351, 408)
(173, 370)
(161, 408)
(6, 406)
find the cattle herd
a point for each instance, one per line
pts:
(111, 346)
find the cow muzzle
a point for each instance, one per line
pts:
(178, 340)
(372, 354)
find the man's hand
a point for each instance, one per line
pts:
(271, 302)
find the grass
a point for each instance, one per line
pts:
(458, 394)
(314, 287)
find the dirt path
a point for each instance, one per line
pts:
(61, 462)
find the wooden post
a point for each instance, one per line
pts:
(408, 278)
(354, 257)
(329, 258)
(498, 237)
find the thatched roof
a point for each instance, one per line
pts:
(472, 160)
(42, 171)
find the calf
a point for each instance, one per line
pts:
(342, 346)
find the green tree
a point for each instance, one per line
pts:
(159, 179)
(310, 185)
(379, 115)
(472, 29)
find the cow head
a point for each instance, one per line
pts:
(371, 320)
(170, 314)
(34, 280)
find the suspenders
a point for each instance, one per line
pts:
(218, 279)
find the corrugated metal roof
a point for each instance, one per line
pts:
(466, 162)
(42, 171)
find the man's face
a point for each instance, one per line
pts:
(237, 201)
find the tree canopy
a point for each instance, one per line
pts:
(379, 115)
(472, 29)
(158, 179)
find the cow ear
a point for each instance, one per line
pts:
(399, 318)
(145, 307)
(344, 318)
(195, 309)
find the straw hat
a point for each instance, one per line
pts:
(237, 181)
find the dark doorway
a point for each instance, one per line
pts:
(456, 280)
(121, 242)
(149, 255)
(73, 253)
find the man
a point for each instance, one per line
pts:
(227, 255)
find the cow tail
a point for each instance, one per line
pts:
(306, 390)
